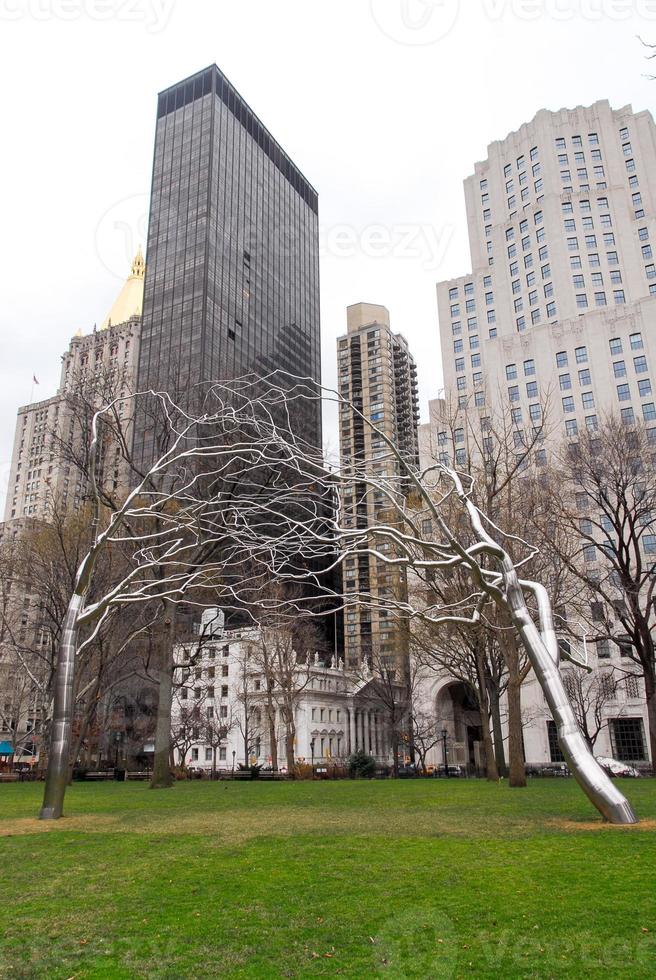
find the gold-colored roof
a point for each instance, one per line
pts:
(129, 301)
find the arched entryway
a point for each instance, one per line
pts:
(457, 712)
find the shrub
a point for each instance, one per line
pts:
(361, 765)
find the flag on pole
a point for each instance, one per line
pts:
(35, 379)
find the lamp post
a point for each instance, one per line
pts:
(234, 752)
(444, 734)
(312, 754)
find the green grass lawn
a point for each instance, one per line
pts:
(393, 879)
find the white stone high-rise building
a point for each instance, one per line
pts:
(561, 299)
(557, 316)
(40, 473)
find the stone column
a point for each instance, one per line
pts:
(352, 734)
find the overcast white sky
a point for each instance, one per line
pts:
(384, 104)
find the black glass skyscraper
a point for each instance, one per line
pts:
(232, 265)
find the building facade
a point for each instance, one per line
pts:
(561, 300)
(220, 714)
(378, 378)
(100, 364)
(51, 437)
(554, 328)
(233, 255)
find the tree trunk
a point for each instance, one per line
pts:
(497, 729)
(162, 777)
(62, 718)
(246, 734)
(395, 753)
(273, 743)
(491, 771)
(84, 727)
(650, 693)
(290, 738)
(517, 773)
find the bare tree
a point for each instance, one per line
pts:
(426, 735)
(214, 733)
(187, 727)
(467, 539)
(232, 492)
(246, 709)
(602, 497)
(590, 693)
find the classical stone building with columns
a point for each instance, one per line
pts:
(335, 711)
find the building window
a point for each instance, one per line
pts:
(555, 754)
(568, 405)
(628, 739)
(623, 393)
(640, 364)
(511, 372)
(644, 388)
(561, 359)
(581, 354)
(565, 382)
(571, 427)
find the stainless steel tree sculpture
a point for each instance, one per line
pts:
(229, 507)
(239, 501)
(465, 539)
